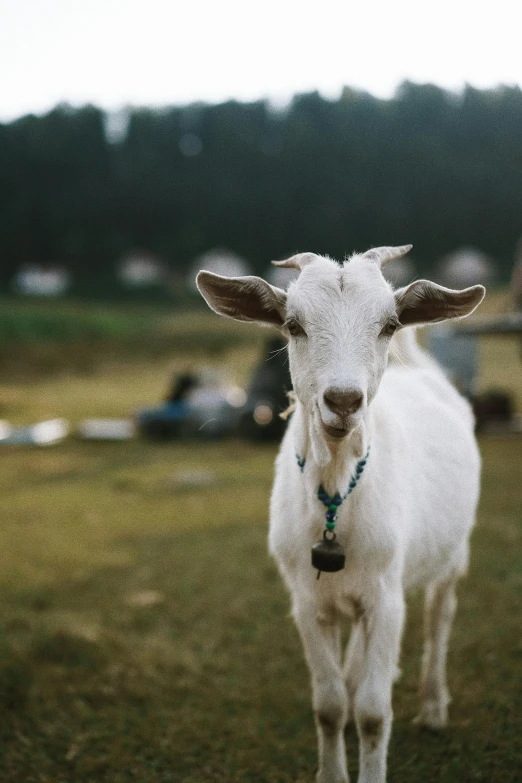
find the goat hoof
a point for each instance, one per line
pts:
(433, 715)
(321, 778)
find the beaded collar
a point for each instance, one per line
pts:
(327, 555)
(333, 503)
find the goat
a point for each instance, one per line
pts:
(391, 452)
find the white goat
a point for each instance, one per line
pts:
(393, 456)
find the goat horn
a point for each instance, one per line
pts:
(383, 255)
(298, 261)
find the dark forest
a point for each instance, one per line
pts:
(428, 166)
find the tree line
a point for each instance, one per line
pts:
(428, 166)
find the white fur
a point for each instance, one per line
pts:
(406, 524)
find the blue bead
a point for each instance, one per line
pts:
(331, 516)
(337, 499)
(353, 484)
(362, 462)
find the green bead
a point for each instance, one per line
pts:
(330, 525)
(332, 507)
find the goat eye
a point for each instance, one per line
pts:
(294, 327)
(390, 327)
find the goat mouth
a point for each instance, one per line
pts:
(335, 432)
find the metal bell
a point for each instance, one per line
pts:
(328, 555)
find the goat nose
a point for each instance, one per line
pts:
(343, 401)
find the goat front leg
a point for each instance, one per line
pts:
(382, 627)
(354, 664)
(321, 642)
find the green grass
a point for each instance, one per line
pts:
(44, 338)
(22, 320)
(144, 631)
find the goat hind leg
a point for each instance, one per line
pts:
(440, 606)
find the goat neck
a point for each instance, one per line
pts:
(330, 463)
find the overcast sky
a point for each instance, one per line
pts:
(154, 52)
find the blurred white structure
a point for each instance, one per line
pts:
(107, 429)
(220, 261)
(116, 124)
(141, 270)
(465, 267)
(34, 280)
(45, 433)
(5, 429)
(280, 276)
(401, 272)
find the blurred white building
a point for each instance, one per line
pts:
(141, 270)
(35, 280)
(280, 276)
(220, 261)
(464, 267)
(400, 272)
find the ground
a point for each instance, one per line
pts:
(144, 631)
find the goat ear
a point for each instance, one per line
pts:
(425, 302)
(243, 298)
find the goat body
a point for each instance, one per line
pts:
(407, 522)
(406, 525)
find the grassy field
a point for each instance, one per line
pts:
(145, 632)
(69, 337)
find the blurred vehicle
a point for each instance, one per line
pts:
(201, 405)
(493, 408)
(198, 405)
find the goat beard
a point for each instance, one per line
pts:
(323, 450)
(320, 448)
